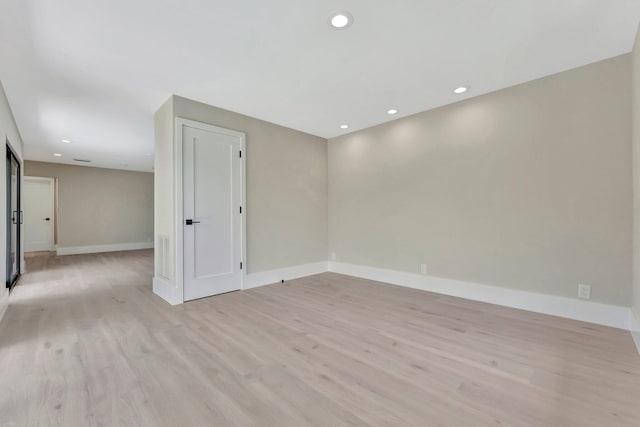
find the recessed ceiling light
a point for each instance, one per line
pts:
(461, 89)
(57, 154)
(66, 141)
(344, 127)
(341, 20)
(392, 111)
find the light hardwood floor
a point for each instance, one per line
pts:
(86, 343)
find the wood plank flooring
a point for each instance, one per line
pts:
(85, 342)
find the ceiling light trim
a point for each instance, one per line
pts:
(340, 20)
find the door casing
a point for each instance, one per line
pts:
(179, 199)
(52, 207)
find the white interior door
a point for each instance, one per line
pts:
(213, 176)
(38, 197)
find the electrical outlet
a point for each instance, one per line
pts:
(333, 256)
(423, 269)
(584, 291)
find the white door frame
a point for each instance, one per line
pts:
(179, 201)
(52, 191)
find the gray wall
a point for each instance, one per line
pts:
(98, 206)
(8, 134)
(527, 188)
(286, 200)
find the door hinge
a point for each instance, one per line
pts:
(240, 209)
(240, 153)
(240, 265)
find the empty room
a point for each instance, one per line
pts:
(320, 213)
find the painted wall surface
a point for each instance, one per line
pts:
(286, 200)
(164, 188)
(636, 180)
(528, 188)
(10, 135)
(98, 206)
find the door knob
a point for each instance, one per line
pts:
(191, 222)
(47, 219)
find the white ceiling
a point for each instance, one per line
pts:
(95, 71)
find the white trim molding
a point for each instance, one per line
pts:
(254, 280)
(52, 212)
(173, 293)
(587, 311)
(634, 326)
(167, 291)
(75, 250)
(180, 123)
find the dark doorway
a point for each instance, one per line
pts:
(14, 218)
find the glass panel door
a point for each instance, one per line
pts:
(14, 218)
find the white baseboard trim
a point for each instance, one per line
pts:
(75, 250)
(166, 290)
(263, 278)
(587, 311)
(170, 293)
(634, 326)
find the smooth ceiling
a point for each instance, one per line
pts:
(94, 72)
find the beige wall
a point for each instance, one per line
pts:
(98, 206)
(526, 188)
(636, 177)
(8, 134)
(286, 185)
(164, 192)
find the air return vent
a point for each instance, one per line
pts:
(82, 160)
